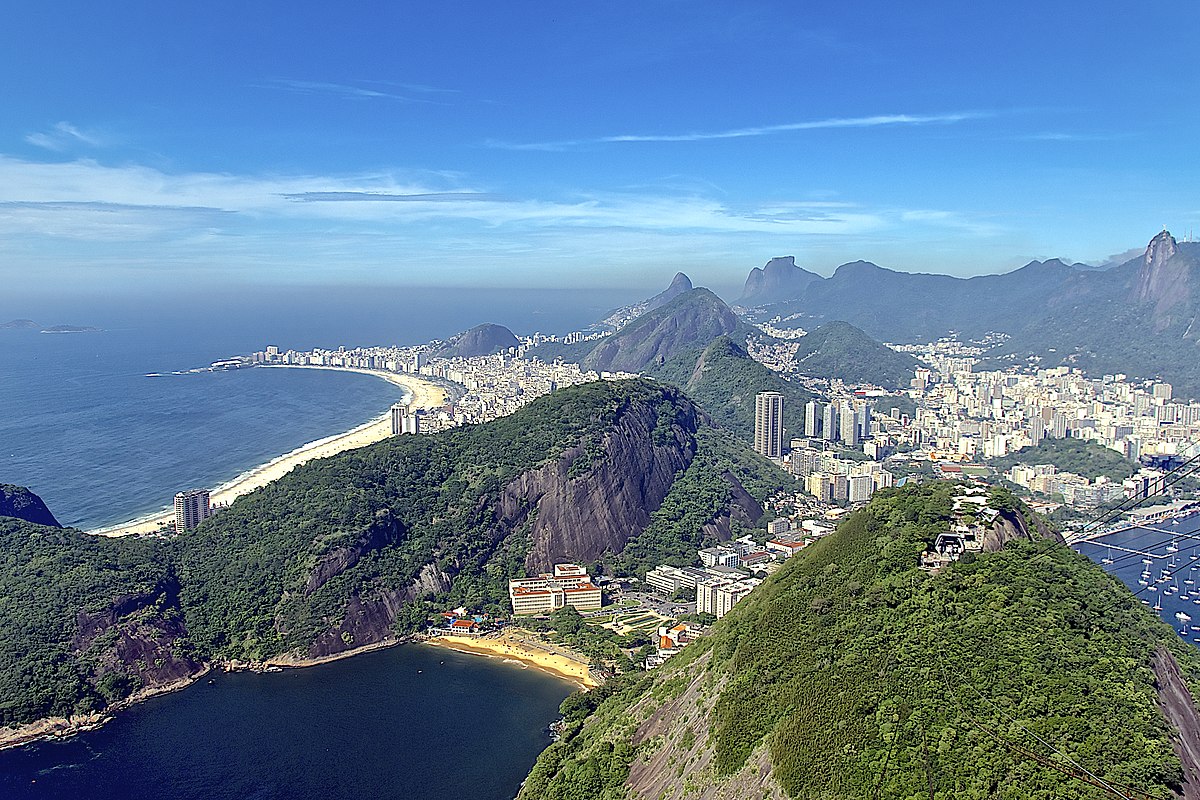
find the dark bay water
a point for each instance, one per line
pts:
(1161, 564)
(413, 722)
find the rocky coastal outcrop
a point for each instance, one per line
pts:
(19, 502)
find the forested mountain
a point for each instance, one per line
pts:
(840, 350)
(482, 340)
(1089, 459)
(341, 552)
(724, 380)
(1137, 317)
(691, 320)
(853, 674)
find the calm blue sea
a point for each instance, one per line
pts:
(412, 723)
(101, 443)
(1161, 564)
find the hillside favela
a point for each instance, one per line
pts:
(647, 401)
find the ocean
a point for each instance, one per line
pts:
(101, 443)
(85, 429)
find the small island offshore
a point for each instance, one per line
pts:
(30, 325)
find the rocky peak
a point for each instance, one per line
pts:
(1164, 277)
(680, 283)
(1161, 247)
(778, 279)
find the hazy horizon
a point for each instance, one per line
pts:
(153, 148)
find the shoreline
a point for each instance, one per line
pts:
(422, 394)
(505, 648)
(508, 648)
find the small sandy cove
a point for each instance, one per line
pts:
(541, 656)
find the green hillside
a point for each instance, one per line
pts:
(350, 550)
(723, 380)
(853, 674)
(840, 350)
(1088, 459)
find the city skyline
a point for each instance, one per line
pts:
(143, 148)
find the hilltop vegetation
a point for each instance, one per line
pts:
(351, 550)
(1088, 459)
(723, 380)
(852, 674)
(840, 350)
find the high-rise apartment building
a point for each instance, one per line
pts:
(849, 426)
(191, 508)
(768, 424)
(812, 419)
(829, 423)
(404, 421)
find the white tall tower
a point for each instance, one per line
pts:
(768, 424)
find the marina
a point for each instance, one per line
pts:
(1160, 563)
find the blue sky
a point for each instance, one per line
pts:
(150, 144)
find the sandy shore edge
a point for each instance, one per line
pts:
(502, 647)
(423, 394)
(509, 648)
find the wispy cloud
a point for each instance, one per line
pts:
(1062, 136)
(384, 197)
(877, 121)
(410, 94)
(64, 136)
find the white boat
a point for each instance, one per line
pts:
(1182, 617)
(1147, 561)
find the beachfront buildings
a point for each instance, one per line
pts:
(768, 424)
(191, 508)
(404, 420)
(568, 585)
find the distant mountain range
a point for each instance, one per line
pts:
(1136, 317)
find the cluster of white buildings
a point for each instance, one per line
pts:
(567, 585)
(966, 414)
(971, 519)
(492, 386)
(725, 574)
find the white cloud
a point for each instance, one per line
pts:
(64, 136)
(352, 92)
(876, 121)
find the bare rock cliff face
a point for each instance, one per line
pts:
(368, 620)
(133, 637)
(385, 530)
(1011, 525)
(1164, 278)
(578, 515)
(742, 508)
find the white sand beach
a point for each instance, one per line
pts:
(424, 395)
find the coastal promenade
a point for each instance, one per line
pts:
(423, 394)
